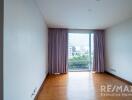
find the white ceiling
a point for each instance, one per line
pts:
(85, 14)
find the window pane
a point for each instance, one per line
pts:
(79, 51)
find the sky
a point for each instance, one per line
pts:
(79, 39)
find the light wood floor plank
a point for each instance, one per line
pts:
(79, 86)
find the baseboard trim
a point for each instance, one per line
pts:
(40, 89)
(124, 80)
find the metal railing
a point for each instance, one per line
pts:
(79, 65)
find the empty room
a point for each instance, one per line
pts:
(66, 50)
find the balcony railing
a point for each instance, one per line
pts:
(79, 65)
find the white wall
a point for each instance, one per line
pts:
(1, 49)
(25, 49)
(119, 50)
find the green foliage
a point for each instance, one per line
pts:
(79, 61)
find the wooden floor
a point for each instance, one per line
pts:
(79, 86)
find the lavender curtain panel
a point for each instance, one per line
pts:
(98, 63)
(57, 50)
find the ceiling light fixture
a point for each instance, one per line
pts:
(98, 0)
(89, 10)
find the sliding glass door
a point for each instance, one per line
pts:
(80, 51)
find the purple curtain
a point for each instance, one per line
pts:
(98, 63)
(57, 50)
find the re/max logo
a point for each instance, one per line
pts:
(116, 88)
